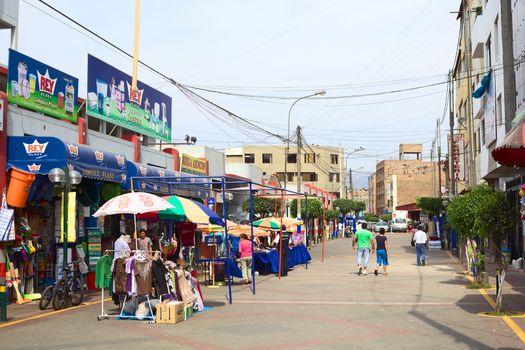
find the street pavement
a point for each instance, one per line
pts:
(326, 306)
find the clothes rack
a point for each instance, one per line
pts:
(103, 313)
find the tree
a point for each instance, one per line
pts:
(430, 205)
(463, 211)
(262, 206)
(315, 208)
(386, 217)
(371, 217)
(497, 217)
(349, 205)
(331, 215)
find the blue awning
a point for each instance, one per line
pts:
(164, 182)
(482, 86)
(39, 155)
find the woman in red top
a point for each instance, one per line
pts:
(245, 251)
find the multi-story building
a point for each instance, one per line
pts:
(361, 195)
(371, 208)
(321, 166)
(401, 181)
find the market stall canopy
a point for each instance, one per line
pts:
(165, 182)
(206, 228)
(512, 149)
(246, 229)
(38, 155)
(275, 223)
(184, 209)
(133, 203)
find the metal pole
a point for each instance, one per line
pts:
(226, 236)
(452, 143)
(251, 229)
(281, 235)
(305, 219)
(299, 169)
(470, 124)
(351, 184)
(65, 202)
(136, 46)
(322, 234)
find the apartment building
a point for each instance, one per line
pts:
(321, 166)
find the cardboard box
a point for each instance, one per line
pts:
(171, 312)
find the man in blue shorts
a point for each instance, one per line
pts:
(382, 251)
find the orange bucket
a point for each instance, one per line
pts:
(19, 187)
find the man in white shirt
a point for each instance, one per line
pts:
(421, 239)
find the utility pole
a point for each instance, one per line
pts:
(350, 184)
(342, 177)
(451, 148)
(299, 185)
(470, 121)
(439, 160)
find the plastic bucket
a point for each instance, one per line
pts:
(19, 187)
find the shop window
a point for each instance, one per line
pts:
(292, 158)
(334, 159)
(309, 158)
(267, 158)
(249, 158)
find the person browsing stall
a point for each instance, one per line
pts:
(245, 257)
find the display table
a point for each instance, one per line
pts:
(266, 263)
(232, 264)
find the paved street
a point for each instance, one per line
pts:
(327, 306)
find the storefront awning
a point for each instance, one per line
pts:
(39, 155)
(165, 182)
(512, 150)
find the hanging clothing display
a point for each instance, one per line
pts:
(103, 272)
(143, 277)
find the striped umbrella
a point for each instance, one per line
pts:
(268, 224)
(184, 209)
(237, 231)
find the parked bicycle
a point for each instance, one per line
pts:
(68, 291)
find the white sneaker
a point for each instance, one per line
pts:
(364, 272)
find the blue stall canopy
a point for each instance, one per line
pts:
(39, 155)
(165, 182)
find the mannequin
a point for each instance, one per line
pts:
(122, 248)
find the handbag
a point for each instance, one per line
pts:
(412, 243)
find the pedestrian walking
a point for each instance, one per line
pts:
(365, 242)
(381, 251)
(245, 258)
(421, 240)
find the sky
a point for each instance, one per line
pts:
(262, 56)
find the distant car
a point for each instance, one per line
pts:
(381, 224)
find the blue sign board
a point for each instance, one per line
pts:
(34, 85)
(110, 97)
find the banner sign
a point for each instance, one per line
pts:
(458, 156)
(192, 165)
(34, 85)
(111, 98)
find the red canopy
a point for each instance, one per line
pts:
(512, 150)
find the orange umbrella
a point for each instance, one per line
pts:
(247, 230)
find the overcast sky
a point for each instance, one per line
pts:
(274, 51)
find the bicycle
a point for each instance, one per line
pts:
(69, 290)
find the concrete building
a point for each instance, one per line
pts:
(371, 207)
(362, 195)
(321, 166)
(400, 182)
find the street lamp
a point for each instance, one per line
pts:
(318, 93)
(66, 181)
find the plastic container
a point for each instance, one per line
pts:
(19, 187)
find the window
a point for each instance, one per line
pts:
(496, 40)
(482, 133)
(249, 158)
(309, 176)
(267, 158)
(334, 159)
(499, 115)
(309, 158)
(292, 157)
(488, 48)
(289, 177)
(334, 177)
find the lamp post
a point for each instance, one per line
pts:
(66, 181)
(359, 149)
(287, 151)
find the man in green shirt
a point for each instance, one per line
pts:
(365, 241)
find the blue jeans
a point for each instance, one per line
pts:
(363, 257)
(420, 250)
